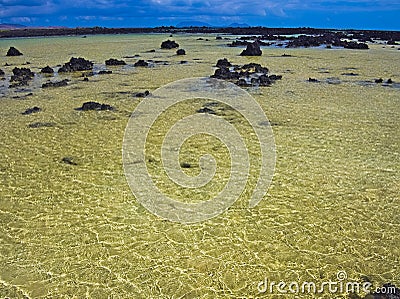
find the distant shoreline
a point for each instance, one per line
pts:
(43, 32)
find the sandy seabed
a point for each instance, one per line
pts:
(76, 231)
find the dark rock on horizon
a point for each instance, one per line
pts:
(141, 63)
(113, 61)
(13, 52)
(76, 64)
(31, 110)
(252, 49)
(47, 70)
(95, 106)
(55, 84)
(181, 52)
(169, 44)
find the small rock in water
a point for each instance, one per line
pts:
(113, 61)
(380, 80)
(141, 63)
(104, 72)
(185, 165)
(169, 44)
(69, 161)
(55, 84)
(31, 110)
(142, 94)
(95, 106)
(2, 73)
(389, 81)
(76, 64)
(252, 49)
(181, 52)
(47, 70)
(206, 110)
(312, 80)
(13, 52)
(223, 63)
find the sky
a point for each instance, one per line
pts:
(341, 14)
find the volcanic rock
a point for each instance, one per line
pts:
(13, 52)
(47, 70)
(169, 44)
(252, 49)
(76, 64)
(94, 106)
(113, 61)
(141, 63)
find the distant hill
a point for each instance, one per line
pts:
(239, 25)
(193, 24)
(11, 26)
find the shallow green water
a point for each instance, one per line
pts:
(77, 231)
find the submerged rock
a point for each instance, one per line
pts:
(206, 110)
(252, 49)
(113, 61)
(13, 52)
(41, 125)
(31, 110)
(181, 52)
(55, 84)
(69, 161)
(169, 44)
(76, 64)
(95, 106)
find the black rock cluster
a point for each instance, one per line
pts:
(252, 74)
(76, 64)
(21, 76)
